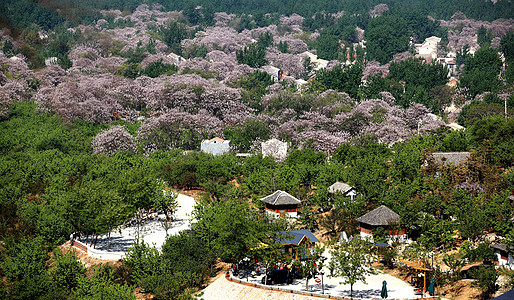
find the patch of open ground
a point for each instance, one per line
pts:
(151, 232)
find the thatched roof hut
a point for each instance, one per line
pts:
(380, 216)
(281, 198)
(339, 187)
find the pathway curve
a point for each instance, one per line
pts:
(152, 232)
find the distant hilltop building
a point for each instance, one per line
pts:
(274, 72)
(274, 148)
(177, 59)
(215, 146)
(317, 62)
(428, 50)
(51, 61)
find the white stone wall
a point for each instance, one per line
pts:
(215, 147)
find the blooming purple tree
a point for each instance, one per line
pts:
(177, 129)
(293, 19)
(373, 68)
(5, 105)
(112, 140)
(378, 10)
(289, 63)
(51, 76)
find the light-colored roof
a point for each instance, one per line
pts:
(501, 247)
(271, 69)
(446, 158)
(380, 216)
(280, 198)
(455, 126)
(273, 141)
(339, 187)
(217, 140)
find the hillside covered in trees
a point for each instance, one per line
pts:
(104, 104)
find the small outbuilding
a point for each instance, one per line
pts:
(175, 58)
(281, 203)
(504, 255)
(343, 188)
(449, 158)
(215, 146)
(381, 217)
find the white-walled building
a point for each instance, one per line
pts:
(215, 146)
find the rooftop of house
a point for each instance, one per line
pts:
(433, 39)
(446, 158)
(339, 187)
(280, 198)
(500, 246)
(380, 216)
(216, 140)
(295, 236)
(455, 126)
(507, 296)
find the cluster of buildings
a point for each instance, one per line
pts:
(281, 203)
(273, 147)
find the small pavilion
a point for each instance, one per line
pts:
(281, 203)
(381, 216)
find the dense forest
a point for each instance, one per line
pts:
(48, 14)
(97, 119)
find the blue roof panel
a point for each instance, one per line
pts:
(295, 236)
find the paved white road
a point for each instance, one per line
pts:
(152, 232)
(396, 288)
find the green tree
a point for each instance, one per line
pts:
(507, 46)
(386, 36)
(350, 261)
(252, 55)
(9, 49)
(24, 268)
(455, 262)
(481, 71)
(172, 35)
(244, 136)
(157, 68)
(129, 70)
(343, 80)
(484, 36)
(265, 40)
(313, 260)
(167, 204)
(327, 46)
(486, 280)
(420, 26)
(231, 229)
(474, 112)
(67, 270)
(283, 47)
